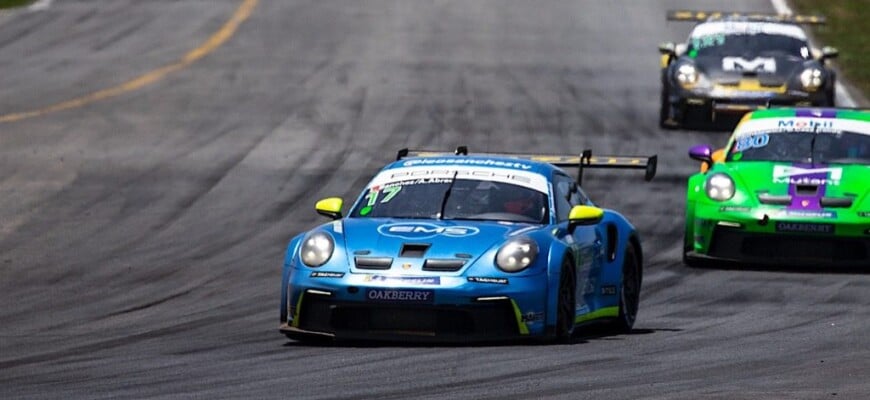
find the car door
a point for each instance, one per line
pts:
(585, 241)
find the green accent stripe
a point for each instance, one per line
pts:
(605, 312)
(773, 113)
(858, 115)
(298, 308)
(854, 114)
(524, 330)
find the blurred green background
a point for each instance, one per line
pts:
(848, 29)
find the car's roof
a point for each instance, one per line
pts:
(748, 27)
(502, 162)
(796, 119)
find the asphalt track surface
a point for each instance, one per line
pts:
(141, 236)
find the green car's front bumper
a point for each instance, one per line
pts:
(770, 235)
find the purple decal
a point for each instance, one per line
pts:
(814, 112)
(806, 175)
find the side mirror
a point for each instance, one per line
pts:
(829, 52)
(705, 154)
(668, 49)
(330, 207)
(702, 153)
(584, 215)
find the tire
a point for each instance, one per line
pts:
(665, 112)
(566, 301)
(629, 294)
(691, 262)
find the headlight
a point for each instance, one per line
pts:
(516, 255)
(719, 187)
(812, 79)
(687, 74)
(316, 249)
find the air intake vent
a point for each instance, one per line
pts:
(765, 198)
(373, 262)
(443, 265)
(806, 190)
(414, 250)
(839, 202)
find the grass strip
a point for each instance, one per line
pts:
(14, 3)
(847, 30)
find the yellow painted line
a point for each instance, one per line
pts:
(216, 40)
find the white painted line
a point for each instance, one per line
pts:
(843, 97)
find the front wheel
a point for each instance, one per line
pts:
(629, 295)
(665, 120)
(566, 304)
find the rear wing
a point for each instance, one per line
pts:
(702, 16)
(583, 161)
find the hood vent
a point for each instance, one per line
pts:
(373, 262)
(838, 202)
(765, 198)
(414, 250)
(443, 265)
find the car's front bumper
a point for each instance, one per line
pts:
(458, 310)
(770, 238)
(729, 102)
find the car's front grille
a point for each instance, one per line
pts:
(373, 262)
(490, 319)
(443, 265)
(734, 243)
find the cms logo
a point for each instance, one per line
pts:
(424, 231)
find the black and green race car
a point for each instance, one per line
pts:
(735, 63)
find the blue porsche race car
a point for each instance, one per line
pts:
(450, 246)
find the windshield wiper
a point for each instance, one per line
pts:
(813, 146)
(447, 195)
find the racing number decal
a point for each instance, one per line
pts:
(372, 197)
(751, 142)
(391, 192)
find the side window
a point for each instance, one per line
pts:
(562, 197)
(577, 196)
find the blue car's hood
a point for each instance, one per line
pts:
(446, 239)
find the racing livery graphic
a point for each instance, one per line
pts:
(792, 187)
(733, 63)
(451, 246)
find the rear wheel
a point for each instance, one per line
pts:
(629, 296)
(566, 304)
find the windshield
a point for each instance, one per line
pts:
(759, 44)
(805, 147)
(466, 199)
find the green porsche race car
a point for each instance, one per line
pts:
(791, 188)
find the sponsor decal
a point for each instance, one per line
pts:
(487, 279)
(804, 124)
(608, 290)
(326, 274)
(807, 176)
(422, 230)
(802, 227)
(734, 209)
(531, 317)
(413, 280)
(864, 213)
(810, 214)
(467, 161)
(590, 286)
(758, 64)
(400, 295)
